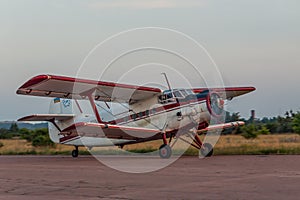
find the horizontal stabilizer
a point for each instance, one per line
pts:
(47, 117)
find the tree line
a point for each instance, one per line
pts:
(289, 123)
(37, 137)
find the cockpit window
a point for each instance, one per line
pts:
(189, 91)
(184, 93)
(169, 95)
(178, 94)
(172, 95)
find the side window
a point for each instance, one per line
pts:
(134, 116)
(162, 98)
(147, 113)
(140, 114)
(165, 98)
(153, 111)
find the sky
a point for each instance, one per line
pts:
(253, 43)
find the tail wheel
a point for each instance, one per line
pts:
(165, 151)
(75, 152)
(207, 150)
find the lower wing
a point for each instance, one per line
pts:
(222, 126)
(108, 131)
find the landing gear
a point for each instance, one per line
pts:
(75, 152)
(207, 150)
(165, 151)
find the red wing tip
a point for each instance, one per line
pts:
(27, 117)
(35, 80)
(250, 89)
(22, 119)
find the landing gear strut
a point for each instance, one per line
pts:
(75, 152)
(205, 149)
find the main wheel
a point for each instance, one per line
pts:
(165, 151)
(207, 150)
(75, 153)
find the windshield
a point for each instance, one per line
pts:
(172, 95)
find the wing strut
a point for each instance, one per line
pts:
(89, 94)
(95, 109)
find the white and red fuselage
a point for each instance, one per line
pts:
(173, 112)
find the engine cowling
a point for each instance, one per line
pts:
(215, 104)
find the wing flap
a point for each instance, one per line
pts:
(108, 131)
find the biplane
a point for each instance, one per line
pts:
(150, 113)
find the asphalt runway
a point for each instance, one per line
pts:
(219, 177)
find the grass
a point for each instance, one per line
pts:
(226, 145)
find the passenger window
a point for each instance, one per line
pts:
(140, 114)
(134, 116)
(147, 112)
(152, 111)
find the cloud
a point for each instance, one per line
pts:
(139, 4)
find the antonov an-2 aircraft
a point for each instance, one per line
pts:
(152, 114)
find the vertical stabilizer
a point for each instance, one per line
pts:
(60, 106)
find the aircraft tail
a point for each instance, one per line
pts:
(60, 116)
(61, 107)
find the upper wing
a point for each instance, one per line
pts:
(230, 92)
(67, 87)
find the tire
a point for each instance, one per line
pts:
(75, 153)
(207, 150)
(165, 151)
